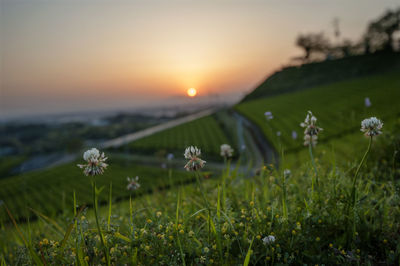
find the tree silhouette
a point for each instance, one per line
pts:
(380, 33)
(312, 43)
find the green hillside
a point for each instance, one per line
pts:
(339, 108)
(316, 74)
(206, 133)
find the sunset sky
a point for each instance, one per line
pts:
(59, 56)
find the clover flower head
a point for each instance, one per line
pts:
(194, 163)
(95, 162)
(367, 102)
(371, 126)
(133, 183)
(268, 240)
(311, 130)
(192, 152)
(268, 115)
(226, 150)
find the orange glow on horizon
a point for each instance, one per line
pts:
(191, 92)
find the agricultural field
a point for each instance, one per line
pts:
(205, 132)
(339, 108)
(50, 191)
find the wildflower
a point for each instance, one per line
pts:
(170, 156)
(371, 126)
(95, 162)
(195, 163)
(294, 134)
(202, 259)
(133, 183)
(226, 150)
(287, 173)
(243, 147)
(331, 245)
(268, 115)
(191, 234)
(182, 231)
(268, 239)
(206, 250)
(278, 133)
(317, 239)
(311, 130)
(293, 232)
(367, 102)
(158, 214)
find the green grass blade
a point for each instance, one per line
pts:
(248, 255)
(109, 208)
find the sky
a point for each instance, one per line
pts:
(61, 56)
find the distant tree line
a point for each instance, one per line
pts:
(382, 34)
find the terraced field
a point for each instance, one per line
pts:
(205, 133)
(50, 191)
(339, 108)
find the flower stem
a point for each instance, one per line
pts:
(205, 201)
(97, 223)
(353, 191)
(314, 166)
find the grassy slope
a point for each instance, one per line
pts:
(316, 74)
(205, 133)
(339, 108)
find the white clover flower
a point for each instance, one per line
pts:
(194, 163)
(268, 115)
(226, 150)
(287, 173)
(311, 130)
(95, 162)
(191, 152)
(367, 102)
(294, 134)
(268, 240)
(371, 126)
(92, 153)
(133, 183)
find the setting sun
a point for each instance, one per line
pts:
(191, 92)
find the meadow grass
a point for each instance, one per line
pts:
(179, 227)
(49, 191)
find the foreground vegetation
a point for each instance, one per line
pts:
(50, 191)
(275, 217)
